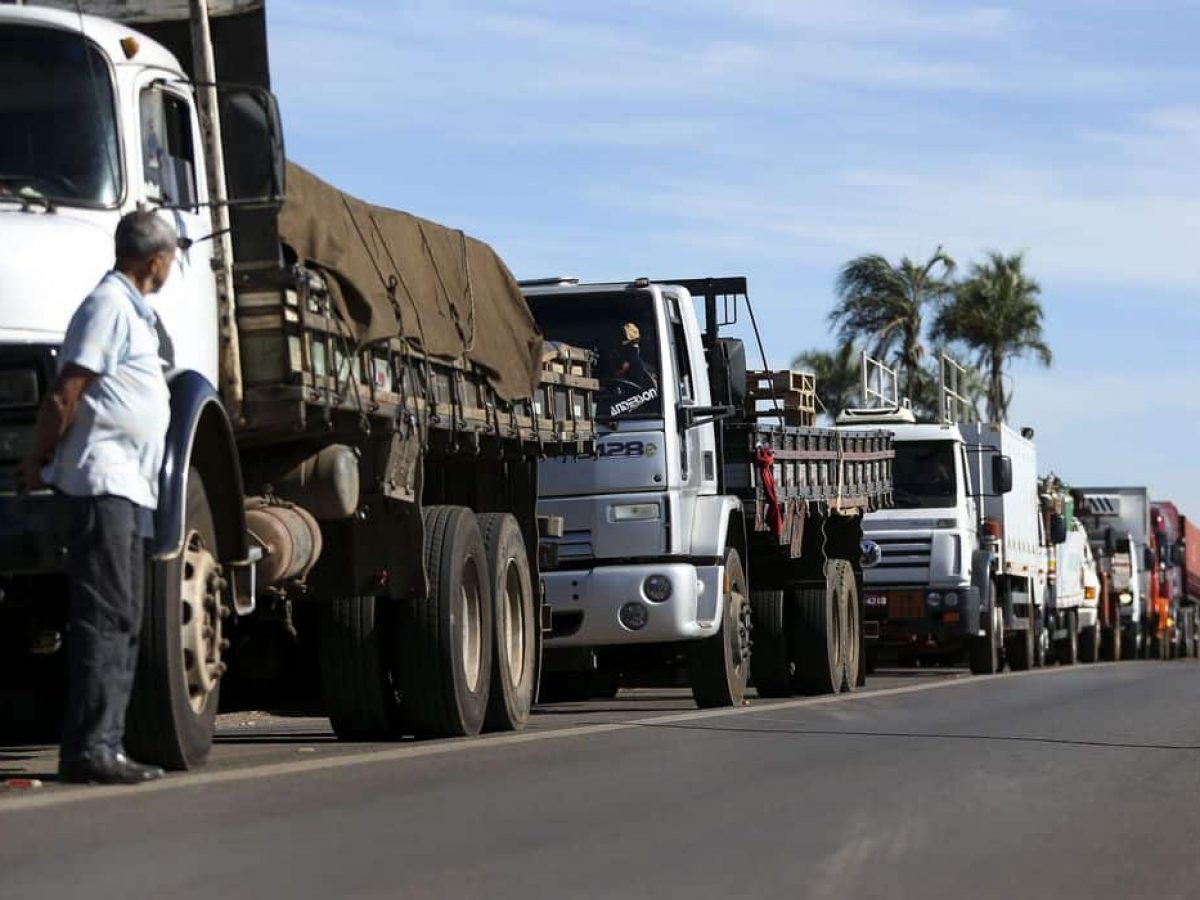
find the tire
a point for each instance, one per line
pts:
(1128, 642)
(446, 645)
(852, 636)
(1043, 652)
(1066, 651)
(819, 621)
(983, 653)
(1019, 648)
(177, 687)
(771, 667)
(358, 650)
(514, 646)
(1110, 644)
(719, 666)
(1089, 644)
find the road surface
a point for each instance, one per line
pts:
(1063, 783)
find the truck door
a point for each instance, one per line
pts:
(170, 169)
(685, 392)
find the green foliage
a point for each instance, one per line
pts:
(838, 376)
(992, 316)
(882, 306)
(996, 313)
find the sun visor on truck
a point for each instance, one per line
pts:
(394, 274)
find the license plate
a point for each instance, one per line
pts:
(875, 600)
(950, 617)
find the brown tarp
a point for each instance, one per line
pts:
(396, 275)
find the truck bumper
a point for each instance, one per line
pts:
(32, 534)
(898, 615)
(585, 605)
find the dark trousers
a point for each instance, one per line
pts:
(106, 566)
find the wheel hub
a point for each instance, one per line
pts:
(200, 620)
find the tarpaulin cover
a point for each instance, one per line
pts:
(396, 275)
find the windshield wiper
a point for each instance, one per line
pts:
(26, 194)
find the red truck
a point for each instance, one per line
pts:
(1178, 575)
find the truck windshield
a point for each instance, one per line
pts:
(924, 476)
(620, 330)
(58, 133)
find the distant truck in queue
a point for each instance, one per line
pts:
(708, 537)
(962, 563)
(1179, 569)
(360, 400)
(1071, 614)
(1118, 524)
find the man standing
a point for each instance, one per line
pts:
(99, 441)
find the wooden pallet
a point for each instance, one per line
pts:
(794, 392)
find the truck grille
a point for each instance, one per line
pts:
(573, 547)
(904, 552)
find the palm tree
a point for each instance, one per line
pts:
(838, 375)
(996, 313)
(883, 306)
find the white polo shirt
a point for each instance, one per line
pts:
(115, 445)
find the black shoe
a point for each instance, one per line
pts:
(105, 767)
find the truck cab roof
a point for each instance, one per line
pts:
(103, 32)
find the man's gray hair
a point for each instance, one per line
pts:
(141, 235)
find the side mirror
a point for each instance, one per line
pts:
(253, 142)
(1110, 542)
(870, 553)
(1148, 563)
(1002, 476)
(1058, 529)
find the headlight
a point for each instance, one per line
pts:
(950, 599)
(634, 616)
(1125, 597)
(934, 598)
(633, 512)
(657, 588)
(18, 388)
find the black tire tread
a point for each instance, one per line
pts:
(770, 660)
(817, 671)
(356, 671)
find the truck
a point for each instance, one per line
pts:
(704, 525)
(1179, 576)
(361, 403)
(1071, 615)
(1117, 519)
(962, 566)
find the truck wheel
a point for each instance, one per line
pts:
(1019, 648)
(820, 618)
(1129, 647)
(720, 665)
(1042, 651)
(177, 685)
(1110, 644)
(852, 639)
(771, 668)
(446, 637)
(1066, 651)
(1089, 644)
(513, 647)
(1193, 645)
(359, 663)
(983, 652)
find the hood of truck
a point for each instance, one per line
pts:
(625, 462)
(48, 264)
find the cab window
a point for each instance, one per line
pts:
(168, 148)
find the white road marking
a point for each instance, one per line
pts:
(462, 745)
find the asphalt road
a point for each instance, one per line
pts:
(1063, 783)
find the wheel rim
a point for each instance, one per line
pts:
(512, 624)
(471, 619)
(738, 636)
(200, 621)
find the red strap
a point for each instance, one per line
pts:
(765, 457)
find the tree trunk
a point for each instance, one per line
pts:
(996, 410)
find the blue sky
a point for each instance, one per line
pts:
(778, 139)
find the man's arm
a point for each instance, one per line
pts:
(54, 418)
